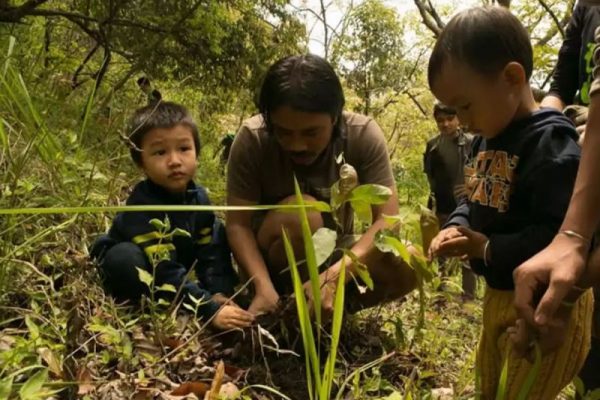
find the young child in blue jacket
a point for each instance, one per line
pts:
(165, 145)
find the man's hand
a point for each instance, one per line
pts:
(552, 273)
(458, 241)
(265, 301)
(328, 285)
(232, 317)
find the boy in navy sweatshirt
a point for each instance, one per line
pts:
(519, 181)
(165, 145)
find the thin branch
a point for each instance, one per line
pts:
(75, 80)
(554, 17)
(428, 19)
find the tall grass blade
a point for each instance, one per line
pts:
(310, 351)
(503, 382)
(338, 315)
(533, 374)
(311, 259)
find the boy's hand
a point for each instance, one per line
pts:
(461, 242)
(232, 317)
(264, 302)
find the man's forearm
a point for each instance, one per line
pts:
(583, 214)
(245, 250)
(359, 249)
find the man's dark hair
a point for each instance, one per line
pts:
(143, 81)
(441, 108)
(305, 83)
(485, 39)
(162, 115)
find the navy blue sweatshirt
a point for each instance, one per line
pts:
(519, 185)
(206, 249)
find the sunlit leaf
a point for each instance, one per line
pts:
(158, 224)
(34, 330)
(325, 241)
(180, 232)
(360, 269)
(371, 194)
(389, 244)
(363, 211)
(5, 388)
(166, 287)
(145, 277)
(33, 386)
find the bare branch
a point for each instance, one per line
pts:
(554, 17)
(430, 17)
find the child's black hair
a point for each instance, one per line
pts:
(162, 115)
(441, 108)
(305, 83)
(484, 38)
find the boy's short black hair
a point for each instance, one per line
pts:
(485, 39)
(441, 108)
(305, 83)
(162, 115)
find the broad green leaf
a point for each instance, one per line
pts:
(371, 194)
(166, 287)
(363, 211)
(180, 232)
(163, 302)
(324, 240)
(579, 387)
(158, 224)
(32, 388)
(145, 277)
(5, 388)
(593, 395)
(389, 244)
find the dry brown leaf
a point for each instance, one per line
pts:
(235, 373)
(84, 380)
(143, 344)
(53, 363)
(197, 388)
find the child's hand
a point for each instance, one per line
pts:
(461, 242)
(443, 236)
(232, 317)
